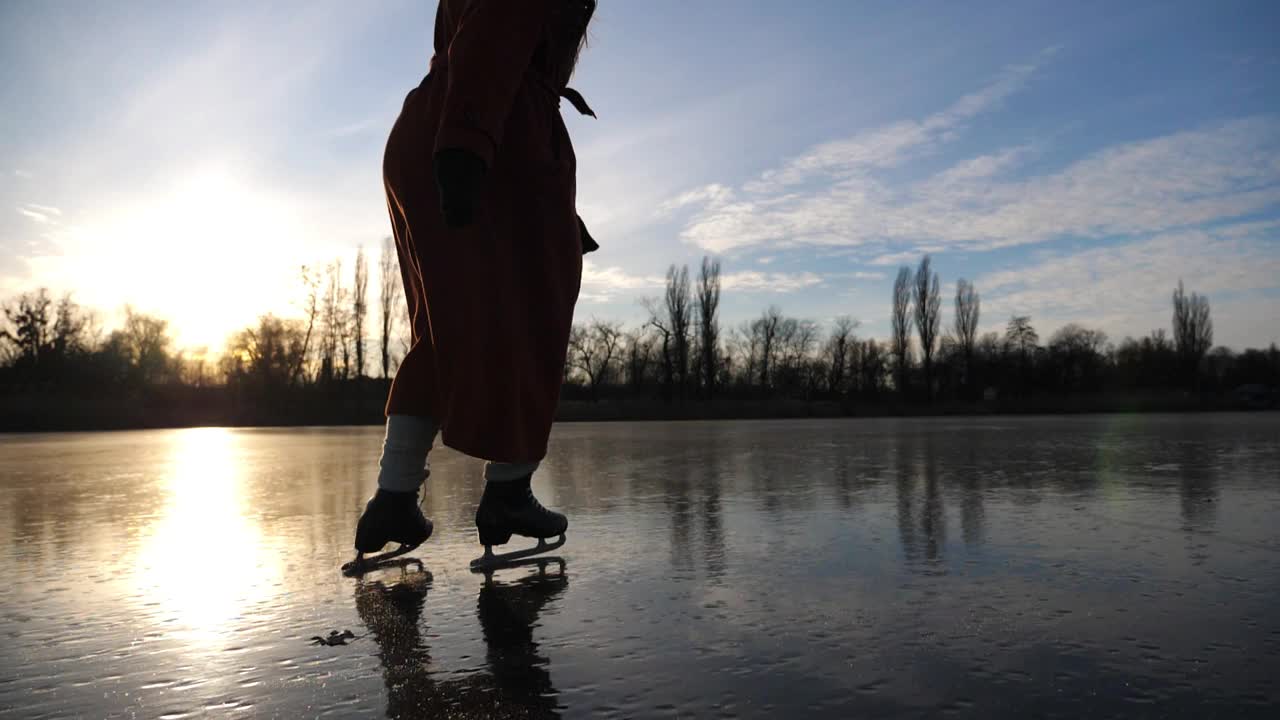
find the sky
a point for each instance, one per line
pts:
(1073, 160)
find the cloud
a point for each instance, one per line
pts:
(1129, 285)
(22, 174)
(39, 213)
(902, 258)
(600, 283)
(779, 282)
(714, 195)
(850, 192)
(891, 145)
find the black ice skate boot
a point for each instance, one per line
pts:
(509, 508)
(388, 517)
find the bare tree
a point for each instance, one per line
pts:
(927, 302)
(968, 308)
(31, 325)
(388, 290)
(147, 340)
(360, 308)
(639, 349)
(1077, 353)
(334, 324)
(839, 353)
(873, 366)
(266, 353)
(658, 321)
(1192, 330)
(796, 341)
(70, 328)
(764, 340)
(743, 352)
(679, 321)
(1021, 337)
(593, 349)
(901, 340)
(311, 309)
(708, 301)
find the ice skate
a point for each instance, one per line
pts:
(509, 508)
(388, 517)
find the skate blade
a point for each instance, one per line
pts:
(494, 561)
(362, 564)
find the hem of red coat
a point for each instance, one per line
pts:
(484, 451)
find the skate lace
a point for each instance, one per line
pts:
(533, 501)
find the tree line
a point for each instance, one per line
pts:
(681, 354)
(332, 362)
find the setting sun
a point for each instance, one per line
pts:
(209, 253)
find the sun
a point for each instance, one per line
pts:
(210, 252)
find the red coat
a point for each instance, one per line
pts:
(492, 303)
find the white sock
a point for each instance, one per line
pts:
(502, 472)
(403, 467)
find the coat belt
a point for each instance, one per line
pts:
(441, 63)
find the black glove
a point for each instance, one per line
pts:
(588, 242)
(459, 175)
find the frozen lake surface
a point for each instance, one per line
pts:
(978, 567)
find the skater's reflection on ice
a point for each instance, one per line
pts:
(516, 681)
(508, 613)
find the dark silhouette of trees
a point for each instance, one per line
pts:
(31, 328)
(359, 309)
(797, 370)
(593, 350)
(1021, 336)
(311, 312)
(901, 322)
(55, 361)
(764, 342)
(872, 367)
(927, 300)
(1192, 331)
(1078, 356)
(388, 291)
(708, 303)
(680, 321)
(41, 338)
(672, 320)
(334, 324)
(639, 358)
(266, 355)
(968, 309)
(840, 351)
(146, 341)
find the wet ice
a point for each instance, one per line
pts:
(1006, 567)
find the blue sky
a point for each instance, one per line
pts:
(1072, 159)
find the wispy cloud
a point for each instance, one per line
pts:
(900, 258)
(606, 283)
(777, 282)
(19, 173)
(603, 282)
(841, 193)
(892, 145)
(715, 194)
(39, 213)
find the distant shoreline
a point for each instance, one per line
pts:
(191, 408)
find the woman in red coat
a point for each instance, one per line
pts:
(480, 181)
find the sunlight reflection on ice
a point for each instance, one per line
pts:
(202, 563)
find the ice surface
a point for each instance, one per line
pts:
(993, 567)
